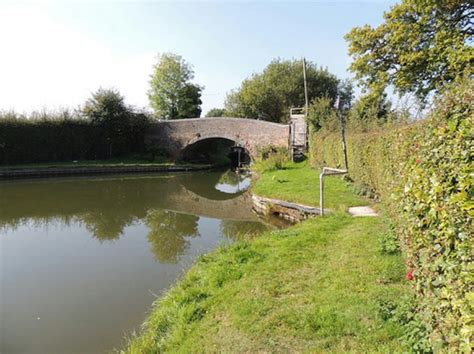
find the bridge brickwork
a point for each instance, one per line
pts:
(251, 134)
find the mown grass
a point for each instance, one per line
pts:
(315, 287)
(299, 183)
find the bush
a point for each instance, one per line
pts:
(120, 131)
(322, 114)
(106, 128)
(423, 174)
(389, 243)
(44, 137)
(271, 159)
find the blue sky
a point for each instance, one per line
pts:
(54, 54)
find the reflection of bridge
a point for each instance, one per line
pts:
(251, 134)
(115, 202)
(188, 202)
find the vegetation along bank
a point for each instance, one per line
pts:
(422, 172)
(399, 282)
(323, 284)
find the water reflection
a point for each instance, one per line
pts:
(169, 232)
(231, 182)
(86, 255)
(241, 229)
(107, 205)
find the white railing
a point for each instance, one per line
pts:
(327, 171)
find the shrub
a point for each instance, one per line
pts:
(271, 158)
(389, 243)
(119, 130)
(321, 113)
(423, 174)
(106, 128)
(44, 137)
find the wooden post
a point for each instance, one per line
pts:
(305, 89)
(238, 161)
(343, 132)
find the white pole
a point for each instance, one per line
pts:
(321, 193)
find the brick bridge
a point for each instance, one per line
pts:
(251, 134)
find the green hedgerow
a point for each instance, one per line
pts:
(424, 176)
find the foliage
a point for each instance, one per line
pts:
(345, 91)
(437, 203)
(270, 94)
(369, 111)
(271, 158)
(321, 113)
(310, 288)
(421, 46)
(106, 128)
(172, 95)
(216, 112)
(189, 102)
(44, 137)
(117, 127)
(403, 312)
(423, 173)
(389, 242)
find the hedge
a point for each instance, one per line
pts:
(423, 174)
(53, 138)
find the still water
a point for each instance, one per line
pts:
(82, 259)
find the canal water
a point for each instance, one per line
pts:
(82, 259)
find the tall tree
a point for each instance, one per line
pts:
(172, 95)
(422, 45)
(216, 112)
(120, 130)
(270, 94)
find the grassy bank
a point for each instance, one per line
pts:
(300, 184)
(316, 286)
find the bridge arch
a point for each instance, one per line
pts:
(199, 138)
(211, 149)
(251, 134)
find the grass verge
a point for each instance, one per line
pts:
(299, 183)
(317, 286)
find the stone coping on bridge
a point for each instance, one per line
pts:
(219, 118)
(84, 171)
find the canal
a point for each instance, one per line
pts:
(82, 259)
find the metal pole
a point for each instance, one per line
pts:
(305, 89)
(327, 171)
(321, 193)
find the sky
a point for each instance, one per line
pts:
(54, 54)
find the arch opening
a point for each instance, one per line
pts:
(216, 151)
